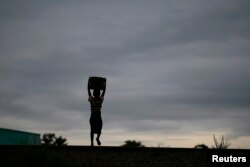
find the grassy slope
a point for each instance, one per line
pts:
(81, 156)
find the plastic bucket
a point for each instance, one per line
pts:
(97, 83)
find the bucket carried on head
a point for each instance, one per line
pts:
(97, 83)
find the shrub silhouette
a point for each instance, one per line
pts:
(60, 141)
(201, 146)
(51, 139)
(48, 139)
(132, 143)
(222, 143)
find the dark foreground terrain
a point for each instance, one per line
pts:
(82, 156)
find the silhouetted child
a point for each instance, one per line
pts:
(95, 118)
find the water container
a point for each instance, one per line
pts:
(97, 83)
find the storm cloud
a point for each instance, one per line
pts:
(177, 72)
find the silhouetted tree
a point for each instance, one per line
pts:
(222, 143)
(51, 139)
(201, 146)
(132, 143)
(60, 141)
(48, 139)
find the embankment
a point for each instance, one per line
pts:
(83, 156)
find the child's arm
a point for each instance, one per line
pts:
(103, 92)
(89, 92)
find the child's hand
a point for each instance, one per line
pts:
(90, 98)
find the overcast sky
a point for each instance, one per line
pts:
(177, 71)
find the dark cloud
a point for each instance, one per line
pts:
(174, 68)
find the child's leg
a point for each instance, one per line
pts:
(92, 138)
(97, 139)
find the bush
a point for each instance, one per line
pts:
(222, 143)
(51, 139)
(201, 146)
(132, 143)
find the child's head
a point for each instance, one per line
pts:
(96, 93)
